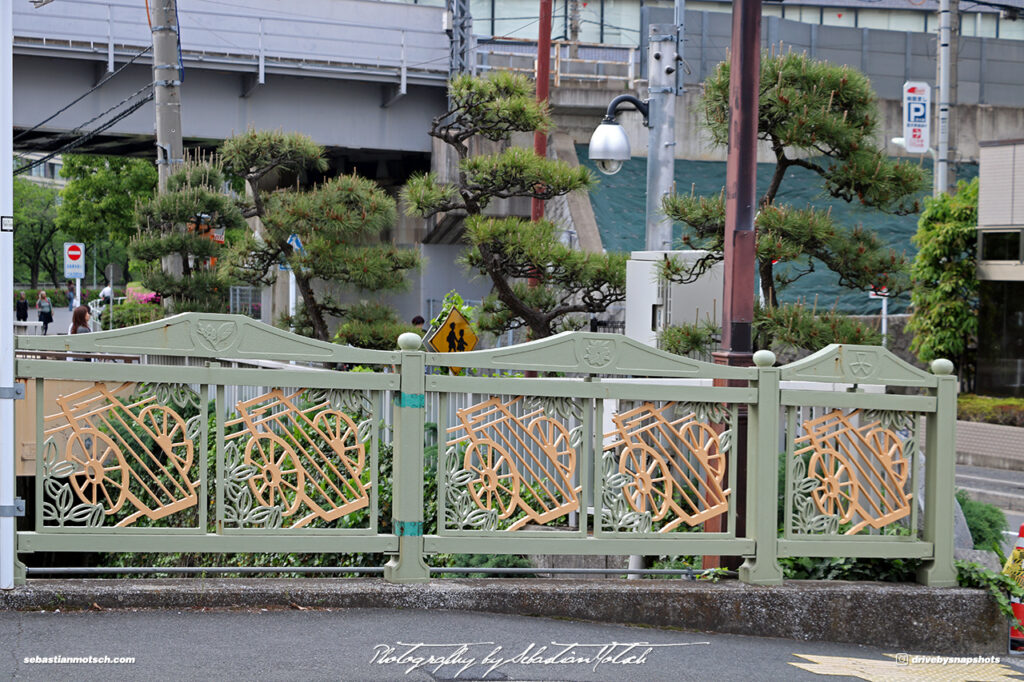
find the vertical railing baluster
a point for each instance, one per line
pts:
(939, 473)
(763, 476)
(407, 468)
(221, 410)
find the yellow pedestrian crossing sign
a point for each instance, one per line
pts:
(454, 335)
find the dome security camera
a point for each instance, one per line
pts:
(609, 147)
(608, 166)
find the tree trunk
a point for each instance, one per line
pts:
(313, 310)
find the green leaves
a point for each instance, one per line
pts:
(256, 153)
(519, 172)
(564, 280)
(492, 107)
(944, 316)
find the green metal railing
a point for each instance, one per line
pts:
(618, 449)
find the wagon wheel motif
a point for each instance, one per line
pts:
(702, 441)
(103, 475)
(339, 429)
(496, 482)
(168, 430)
(281, 479)
(651, 487)
(838, 492)
(888, 449)
(553, 438)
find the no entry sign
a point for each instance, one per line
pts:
(74, 260)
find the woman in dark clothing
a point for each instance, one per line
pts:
(45, 309)
(80, 320)
(21, 308)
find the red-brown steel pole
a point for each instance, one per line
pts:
(540, 139)
(740, 210)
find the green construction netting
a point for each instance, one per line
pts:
(618, 202)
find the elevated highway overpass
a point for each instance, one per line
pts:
(361, 77)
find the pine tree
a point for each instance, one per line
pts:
(563, 282)
(339, 223)
(175, 244)
(824, 118)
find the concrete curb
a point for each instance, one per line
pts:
(900, 617)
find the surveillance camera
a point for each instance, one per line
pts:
(609, 147)
(609, 166)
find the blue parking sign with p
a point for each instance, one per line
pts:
(917, 112)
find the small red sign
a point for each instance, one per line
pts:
(74, 252)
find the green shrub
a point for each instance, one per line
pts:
(979, 408)
(131, 313)
(986, 521)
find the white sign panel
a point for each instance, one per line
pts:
(74, 260)
(917, 105)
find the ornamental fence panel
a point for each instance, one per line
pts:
(248, 438)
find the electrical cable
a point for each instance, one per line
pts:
(86, 137)
(82, 96)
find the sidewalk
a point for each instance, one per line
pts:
(898, 616)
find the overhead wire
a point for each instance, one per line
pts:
(82, 96)
(82, 139)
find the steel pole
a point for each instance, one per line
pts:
(661, 69)
(945, 37)
(740, 210)
(7, 477)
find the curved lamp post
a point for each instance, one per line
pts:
(609, 145)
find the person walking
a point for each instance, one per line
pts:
(71, 297)
(45, 310)
(80, 320)
(21, 308)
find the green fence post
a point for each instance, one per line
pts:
(763, 477)
(407, 469)
(939, 484)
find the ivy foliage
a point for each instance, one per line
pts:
(339, 222)
(944, 317)
(177, 253)
(563, 283)
(822, 117)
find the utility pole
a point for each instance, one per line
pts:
(540, 138)
(166, 89)
(7, 385)
(949, 32)
(574, 29)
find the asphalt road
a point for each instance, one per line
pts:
(398, 645)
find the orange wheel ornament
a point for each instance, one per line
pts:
(651, 487)
(702, 441)
(280, 480)
(496, 481)
(168, 430)
(102, 476)
(838, 492)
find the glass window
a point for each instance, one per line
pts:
(767, 10)
(1000, 245)
(1013, 30)
(872, 18)
(839, 16)
(1001, 339)
(986, 25)
(906, 21)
